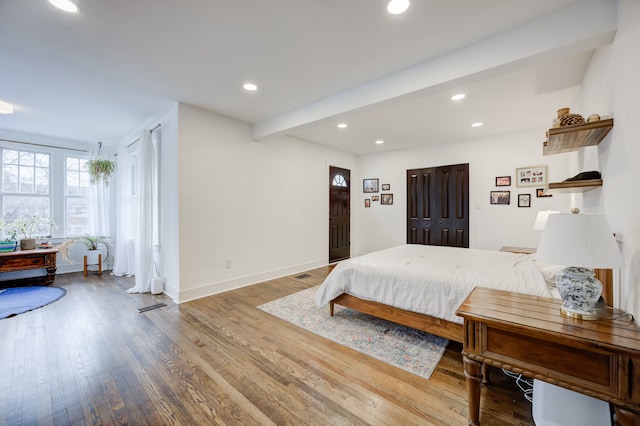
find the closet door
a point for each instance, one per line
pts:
(421, 184)
(451, 224)
(438, 206)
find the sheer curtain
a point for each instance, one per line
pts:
(144, 181)
(99, 207)
(124, 261)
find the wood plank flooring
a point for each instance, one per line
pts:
(91, 358)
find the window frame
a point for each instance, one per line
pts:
(57, 181)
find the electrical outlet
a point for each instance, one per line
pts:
(227, 263)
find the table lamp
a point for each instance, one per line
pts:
(583, 242)
(541, 219)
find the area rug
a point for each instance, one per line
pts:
(411, 350)
(17, 300)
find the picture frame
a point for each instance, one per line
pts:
(524, 200)
(503, 180)
(375, 198)
(500, 197)
(540, 193)
(531, 176)
(386, 199)
(370, 185)
(367, 202)
(386, 186)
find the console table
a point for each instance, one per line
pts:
(23, 260)
(528, 335)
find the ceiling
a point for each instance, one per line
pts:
(117, 65)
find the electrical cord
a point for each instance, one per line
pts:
(525, 385)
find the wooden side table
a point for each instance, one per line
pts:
(23, 260)
(86, 265)
(528, 335)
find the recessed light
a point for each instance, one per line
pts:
(396, 7)
(66, 5)
(252, 87)
(342, 125)
(458, 96)
(6, 108)
(478, 124)
(379, 142)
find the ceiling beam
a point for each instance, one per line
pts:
(583, 26)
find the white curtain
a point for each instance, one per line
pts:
(144, 228)
(99, 206)
(124, 260)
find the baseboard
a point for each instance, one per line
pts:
(220, 287)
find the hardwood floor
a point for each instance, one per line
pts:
(92, 358)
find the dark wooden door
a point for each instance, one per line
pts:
(339, 214)
(438, 206)
(420, 189)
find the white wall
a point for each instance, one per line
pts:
(491, 226)
(612, 86)
(263, 205)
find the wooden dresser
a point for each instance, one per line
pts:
(528, 335)
(26, 260)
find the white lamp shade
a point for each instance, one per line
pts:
(541, 219)
(583, 240)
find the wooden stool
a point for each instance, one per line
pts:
(86, 271)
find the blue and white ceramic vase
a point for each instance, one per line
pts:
(580, 291)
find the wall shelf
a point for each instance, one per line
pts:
(572, 138)
(573, 186)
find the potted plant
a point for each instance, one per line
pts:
(100, 170)
(30, 227)
(9, 243)
(94, 245)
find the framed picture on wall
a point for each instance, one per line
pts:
(375, 197)
(500, 197)
(540, 193)
(524, 200)
(531, 176)
(386, 186)
(386, 199)
(367, 202)
(370, 185)
(503, 180)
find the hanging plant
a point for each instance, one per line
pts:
(100, 169)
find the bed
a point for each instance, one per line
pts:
(421, 286)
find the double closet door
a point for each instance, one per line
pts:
(438, 206)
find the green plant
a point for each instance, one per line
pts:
(30, 226)
(91, 242)
(11, 236)
(94, 242)
(100, 170)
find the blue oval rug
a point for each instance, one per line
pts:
(17, 300)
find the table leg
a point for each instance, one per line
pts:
(473, 374)
(626, 417)
(51, 274)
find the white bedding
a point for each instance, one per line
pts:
(432, 280)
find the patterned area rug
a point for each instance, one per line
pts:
(411, 350)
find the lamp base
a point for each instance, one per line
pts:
(580, 316)
(580, 291)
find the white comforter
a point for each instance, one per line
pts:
(432, 280)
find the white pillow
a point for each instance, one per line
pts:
(549, 271)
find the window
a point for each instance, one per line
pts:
(25, 185)
(77, 196)
(45, 181)
(339, 180)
